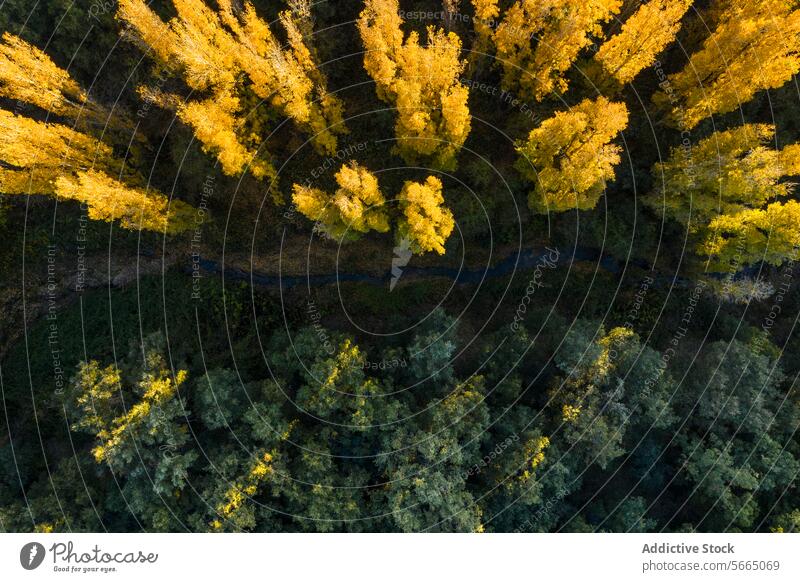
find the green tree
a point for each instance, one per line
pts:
(139, 421)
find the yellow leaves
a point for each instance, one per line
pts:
(157, 388)
(314, 204)
(356, 207)
(570, 413)
(569, 156)
(146, 27)
(28, 74)
(136, 208)
(537, 452)
(486, 11)
(379, 25)
(54, 159)
(643, 36)
(303, 95)
(163, 387)
(615, 337)
(790, 160)
(31, 144)
(348, 357)
(261, 469)
(433, 119)
(719, 193)
(534, 455)
(728, 167)
(214, 123)
(213, 50)
(426, 222)
(244, 488)
(24, 182)
(558, 28)
(99, 388)
(610, 344)
(755, 46)
(51, 158)
(770, 234)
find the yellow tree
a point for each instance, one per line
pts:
(426, 223)
(486, 13)
(356, 207)
(212, 51)
(28, 75)
(53, 159)
(433, 119)
(135, 207)
(728, 192)
(755, 46)
(569, 157)
(643, 36)
(769, 234)
(538, 40)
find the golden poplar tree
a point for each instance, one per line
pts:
(728, 194)
(755, 46)
(135, 207)
(538, 40)
(569, 157)
(643, 36)
(214, 52)
(426, 223)
(486, 13)
(69, 162)
(356, 207)
(53, 159)
(769, 234)
(28, 75)
(433, 119)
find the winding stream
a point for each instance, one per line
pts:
(520, 261)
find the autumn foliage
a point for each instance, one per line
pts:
(755, 46)
(356, 207)
(421, 81)
(50, 158)
(643, 36)
(398, 344)
(730, 194)
(214, 51)
(28, 75)
(569, 157)
(537, 41)
(426, 223)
